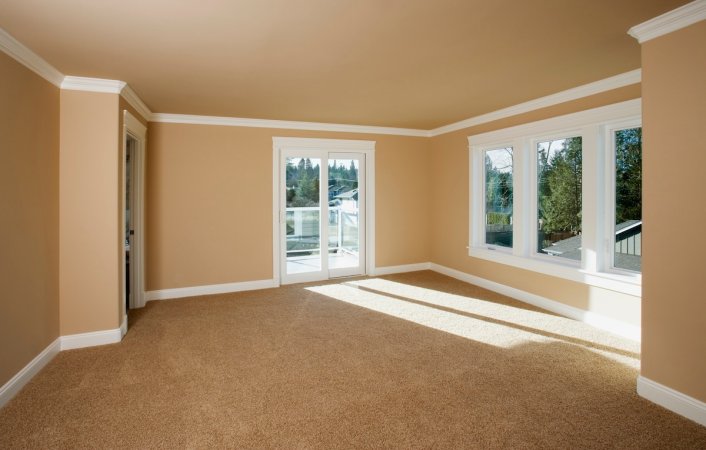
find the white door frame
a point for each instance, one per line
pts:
(137, 131)
(282, 144)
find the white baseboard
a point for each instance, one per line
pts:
(91, 339)
(226, 288)
(123, 327)
(16, 383)
(597, 320)
(389, 270)
(674, 401)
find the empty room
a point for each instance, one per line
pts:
(481, 173)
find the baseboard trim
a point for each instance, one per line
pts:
(91, 339)
(597, 320)
(16, 383)
(389, 270)
(674, 401)
(167, 294)
(123, 327)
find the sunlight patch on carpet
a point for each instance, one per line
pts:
(479, 320)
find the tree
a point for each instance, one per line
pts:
(628, 175)
(560, 186)
(498, 186)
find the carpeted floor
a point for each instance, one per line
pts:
(408, 361)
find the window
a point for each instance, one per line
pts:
(562, 196)
(627, 231)
(498, 197)
(559, 181)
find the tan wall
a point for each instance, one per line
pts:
(209, 202)
(89, 193)
(450, 209)
(674, 307)
(29, 217)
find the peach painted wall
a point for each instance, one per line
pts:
(29, 217)
(89, 193)
(674, 306)
(450, 210)
(209, 202)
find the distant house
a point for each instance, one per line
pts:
(349, 200)
(628, 246)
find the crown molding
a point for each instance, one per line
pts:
(92, 85)
(131, 97)
(110, 87)
(15, 49)
(607, 84)
(674, 20)
(284, 124)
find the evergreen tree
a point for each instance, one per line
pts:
(628, 175)
(560, 188)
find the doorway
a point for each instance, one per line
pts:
(324, 191)
(132, 223)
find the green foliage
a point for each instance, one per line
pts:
(498, 186)
(303, 181)
(559, 187)
(496, 218)
(628, 175)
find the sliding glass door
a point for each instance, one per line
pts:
(322, 225)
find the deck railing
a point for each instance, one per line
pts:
(303, 230)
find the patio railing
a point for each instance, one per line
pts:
(303, 230)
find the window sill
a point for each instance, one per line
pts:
(624, 283)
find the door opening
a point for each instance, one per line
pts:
(132, 223)
(323, 224)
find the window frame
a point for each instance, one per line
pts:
(596, 128)
(482, 228)
(534, 194)
(608, 264)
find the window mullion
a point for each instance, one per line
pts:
(591, 209)
(521, 206)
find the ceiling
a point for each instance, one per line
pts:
(396, 63)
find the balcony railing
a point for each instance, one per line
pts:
(304, 236)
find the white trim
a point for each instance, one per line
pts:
(136, 102)
(276, 276)
(281, 145)
(21, 378)
(123, 327)
(571, 121)
(389, 270)
(166, 294)
(137, 131)
(671, 21)
(18, 51)
(92, 85)
(597, 320)
(31, 60)
(91, 339)
(607, 84)
(284, 124)
(352, 145)
(674, 401)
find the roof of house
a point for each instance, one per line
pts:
(348, 195)
(571, 247)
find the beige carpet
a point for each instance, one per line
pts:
(408, 361)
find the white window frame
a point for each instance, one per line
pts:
(608, 262)
(595, 127)
(480, 227)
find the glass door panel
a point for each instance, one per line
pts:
(322, 224)
(346, 214)
(303, 214)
